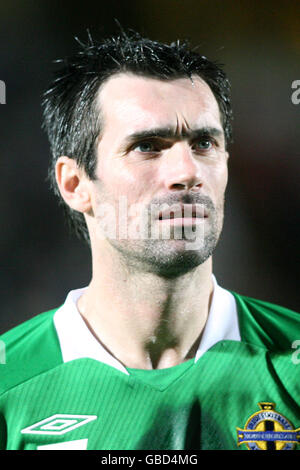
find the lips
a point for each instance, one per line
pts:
(182, 211)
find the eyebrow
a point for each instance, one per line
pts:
(170, 133)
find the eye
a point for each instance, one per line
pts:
(145, 147)
(203, 144)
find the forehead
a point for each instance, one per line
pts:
(133, 103)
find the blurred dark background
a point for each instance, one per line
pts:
(259, 43)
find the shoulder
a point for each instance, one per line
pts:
(29, 349)
(266, 324)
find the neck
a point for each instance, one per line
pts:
(144, 320)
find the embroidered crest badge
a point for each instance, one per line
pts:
(267, 429)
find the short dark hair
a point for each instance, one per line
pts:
(70, 115)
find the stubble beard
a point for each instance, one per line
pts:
(170, 258)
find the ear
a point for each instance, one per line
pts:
(73, 184)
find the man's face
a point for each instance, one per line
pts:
(161, 146)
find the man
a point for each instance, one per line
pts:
(153, 354)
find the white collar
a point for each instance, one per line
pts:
(77, 341)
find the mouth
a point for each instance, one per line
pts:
(184, 213)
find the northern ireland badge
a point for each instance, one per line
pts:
(267, 429)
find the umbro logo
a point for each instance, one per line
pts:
(58, 424)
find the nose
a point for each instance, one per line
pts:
(180, 170)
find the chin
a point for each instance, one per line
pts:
(167, 258)
(179, 266)
(173, 259)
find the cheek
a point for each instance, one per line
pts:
(219, 182)
(224, 179)
(120, 178)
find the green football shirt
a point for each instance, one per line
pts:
(61, 389)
